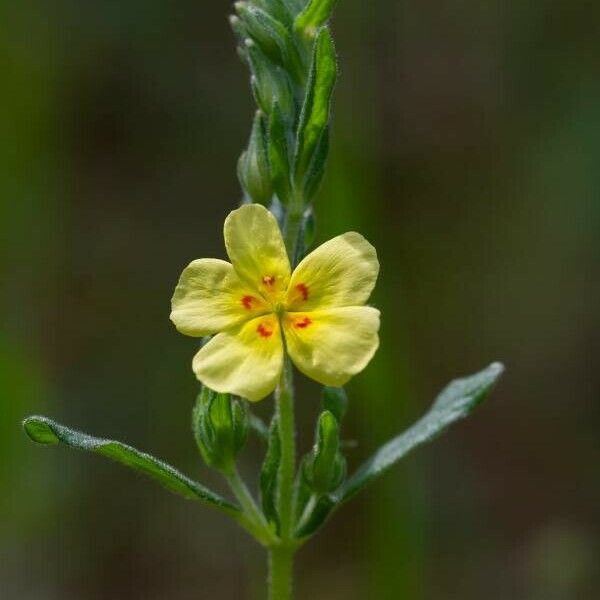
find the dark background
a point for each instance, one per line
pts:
(465, 146)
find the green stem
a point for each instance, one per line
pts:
(281, 560)
(293, 225)
(285, 411)
(255, 521)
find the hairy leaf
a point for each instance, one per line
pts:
(455, 402)
(45, 431)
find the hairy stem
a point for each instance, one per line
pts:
(285, 409)
(280, 573)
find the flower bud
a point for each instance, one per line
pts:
(220, 424)
(335, 400)
(253, 165)
(270, 83)
(325, 467)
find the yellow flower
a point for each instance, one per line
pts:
(259, 309)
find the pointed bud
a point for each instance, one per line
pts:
(325, 469)
(270, 83)
(220, 425)
(253, 165)
(335, 400)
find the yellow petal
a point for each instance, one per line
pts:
(256, 249)
(210, 297)
(330, 346)
(246, 361)
(340, 272)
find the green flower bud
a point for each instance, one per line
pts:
(335, 400)
(220, 425)
(253, 165)
(273, 38)
(267, 32)
(277, 9)
(270, 83)
(325, 468)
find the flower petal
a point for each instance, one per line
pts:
(256, 249)
(246, 361)
(210, 297)
(330, 346)
(340, 272)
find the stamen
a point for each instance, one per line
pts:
(303, 289)
(268, 280)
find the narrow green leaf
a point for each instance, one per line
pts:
(279, 156)
(314, 118)
(45, 431)
(315, 14)
(455, 402)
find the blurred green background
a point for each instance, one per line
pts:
(465, 146)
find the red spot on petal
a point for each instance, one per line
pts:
(303, 289)
(303, 323)
(265, 330)
(268, 280)
(247, 302)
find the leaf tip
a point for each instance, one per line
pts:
(39, 430)
(497, 368)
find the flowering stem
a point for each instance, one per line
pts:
(280, 573)
(285, 412)
(293, 225)
(281, 554)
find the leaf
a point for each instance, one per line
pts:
(45, 431)
(315, 14)
(455, 402)
(314, 118)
